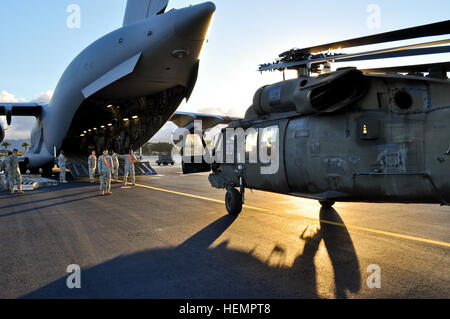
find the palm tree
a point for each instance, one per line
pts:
(25, 146)
(6, 144)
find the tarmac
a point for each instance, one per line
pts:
(171, 237)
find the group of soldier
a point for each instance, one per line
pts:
(108, 166)
(10, 166)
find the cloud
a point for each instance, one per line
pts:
(218, 111)
(21, 126)
(7, 97)
(43, 97)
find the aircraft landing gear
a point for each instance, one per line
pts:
(23, 167)
(47, 170)
(327, 203)
(233, 201)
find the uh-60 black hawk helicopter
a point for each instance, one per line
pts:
(375, 135)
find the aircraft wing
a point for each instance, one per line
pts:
(142, 9)
(186, 120)
(20, 109)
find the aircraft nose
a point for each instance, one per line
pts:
(193, 22)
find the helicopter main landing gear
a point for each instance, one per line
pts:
(233, 201)
(327, 203)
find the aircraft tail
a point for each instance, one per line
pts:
(142, 9)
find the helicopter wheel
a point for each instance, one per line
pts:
(233, 201)
(327, 203)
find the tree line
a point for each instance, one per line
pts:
(149, 149)
(25, 146)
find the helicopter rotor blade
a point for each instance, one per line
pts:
(402, 53)
(433, 29)
(369, 55)
(441, 66)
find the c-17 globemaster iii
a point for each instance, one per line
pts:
(119, 91)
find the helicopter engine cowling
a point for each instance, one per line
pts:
(2, 133)
(307, 95)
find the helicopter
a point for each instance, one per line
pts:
(350, 135)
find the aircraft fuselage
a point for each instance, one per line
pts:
(119, 91)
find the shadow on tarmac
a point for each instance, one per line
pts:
(193, 270)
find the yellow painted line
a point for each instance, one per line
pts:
(370, 230)
(181, 194)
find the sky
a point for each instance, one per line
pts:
(37, 45)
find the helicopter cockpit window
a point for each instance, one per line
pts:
(218, 150)
(235, 146)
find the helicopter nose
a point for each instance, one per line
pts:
(192, 23)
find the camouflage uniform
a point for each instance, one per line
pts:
(129, 168)
(115, 159)
(92, 162)
(62, 161)
(4, 181)
(14, 176)
(105, 165)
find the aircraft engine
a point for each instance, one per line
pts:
(2, 133)
(326, 93)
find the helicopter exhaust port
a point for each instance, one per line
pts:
(326, 93)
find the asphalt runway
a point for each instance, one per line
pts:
(170, 237)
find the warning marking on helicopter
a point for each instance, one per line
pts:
(370, 230)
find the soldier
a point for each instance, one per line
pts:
(92, 162)
(105, 166)
(115, 159)
(4, 180)
(130, 159)
(5, 169)
(62, 161)
(14, 172)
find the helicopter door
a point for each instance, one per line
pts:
(264, 160)
(296, 153)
